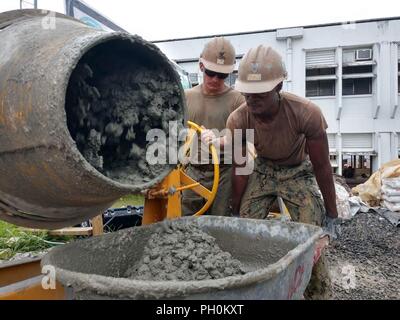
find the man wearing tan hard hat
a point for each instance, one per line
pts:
(292, 152)
(209, 105)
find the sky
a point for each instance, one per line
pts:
(172, 19)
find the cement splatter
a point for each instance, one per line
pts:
(112, 102)
(184, 253)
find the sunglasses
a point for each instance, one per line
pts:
(212, 74)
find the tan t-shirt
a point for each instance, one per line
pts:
(283, 141)
(209, 111)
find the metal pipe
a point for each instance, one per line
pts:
(395, 72)
(289, 63)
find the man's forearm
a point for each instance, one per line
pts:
(324, 177)
(239, 184)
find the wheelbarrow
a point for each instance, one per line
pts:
(277, 256)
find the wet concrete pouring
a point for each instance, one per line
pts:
(184, 253)
(112, 102)
(365, 260)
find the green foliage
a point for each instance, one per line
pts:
(132, 200)
(15, 240)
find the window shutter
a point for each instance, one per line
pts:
(357, 141)
(318, 58)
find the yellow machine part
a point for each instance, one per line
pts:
(164, 201)
(23, 281)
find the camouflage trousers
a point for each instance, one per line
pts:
(299, 190)
(191, 202)
(295, 185)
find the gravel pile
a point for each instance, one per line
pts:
(365, 260)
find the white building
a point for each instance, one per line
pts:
(351, 71)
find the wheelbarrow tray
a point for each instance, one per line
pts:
(278, 257)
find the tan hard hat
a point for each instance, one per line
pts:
(260, 70)
(218, 55)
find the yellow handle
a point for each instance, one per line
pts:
(190, 186)
(215, 159)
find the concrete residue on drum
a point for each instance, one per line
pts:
(184, 253)
(112, 102)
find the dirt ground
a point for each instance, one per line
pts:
(365, 260)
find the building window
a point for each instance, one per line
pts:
(353, 87)
(320, 88)
(356, 168)
(334, 164)
(234, 76)
(398, 77)
(357, 69)
(194, 79)
(357, 80)
(320, 82)
(320, 72)
(231, 79)
(398, 143)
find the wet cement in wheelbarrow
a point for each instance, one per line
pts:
(184, 253)
(120, 258)
(112, 102)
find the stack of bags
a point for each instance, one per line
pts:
(342, 202)
(382, 188)
(391, 193)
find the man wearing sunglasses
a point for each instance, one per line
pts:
(209, 105)
(292, 153)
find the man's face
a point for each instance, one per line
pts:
(213, 81)
(261, 103)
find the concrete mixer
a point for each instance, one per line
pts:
(76, 105)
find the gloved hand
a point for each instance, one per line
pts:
(331, 227)
(208, 136)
